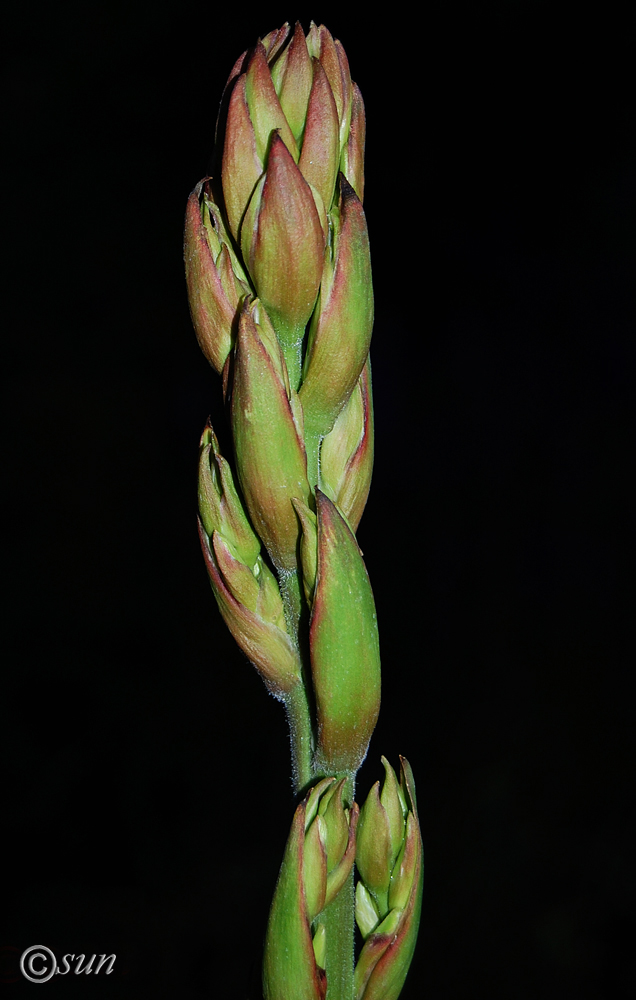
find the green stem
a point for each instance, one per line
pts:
(292, 350)
(301, 737)
(312, 448)
(338, 921)
(297, 702)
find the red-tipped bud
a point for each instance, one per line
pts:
(283, 247)
(263, 641)
(215, 278)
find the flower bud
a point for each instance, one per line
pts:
(292, 74)
(290, 107)
(373, 851)
(215, 278)
(270, 454)
(308, 548)
(341, 326)
(388, 909)
(352, 159)
(317, 862)
(331, 54)
(219, 504)
(344, 645)
(252, 610)
(346, 453)
(320, 156)
(245, 588)
(283, 245)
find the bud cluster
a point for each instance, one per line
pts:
(279, 283)
(389, 860)
(317, 862)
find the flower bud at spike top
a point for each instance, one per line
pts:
(280, 86)
(290, 106)
(344, 645)
(270, 455)
(389, 921)
(305, 886)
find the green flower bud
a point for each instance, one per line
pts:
(251, 605)
(333, 59)
(245, 588)
(394, 903)
(320, 946)
(341, 326)
(292, 74)
(270, 454)
(346, 453)
(319, 159)
(265, 110)
(373, 851)
(367, 916)
(219, 504)
(344, 645)
(294, 960)
(215, 278)
(352, 158)
(308, 548)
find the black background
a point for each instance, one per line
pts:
(146, 790)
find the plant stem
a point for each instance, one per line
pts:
(301, 737)
(338, 921)
(312, 447)
(297, 702)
